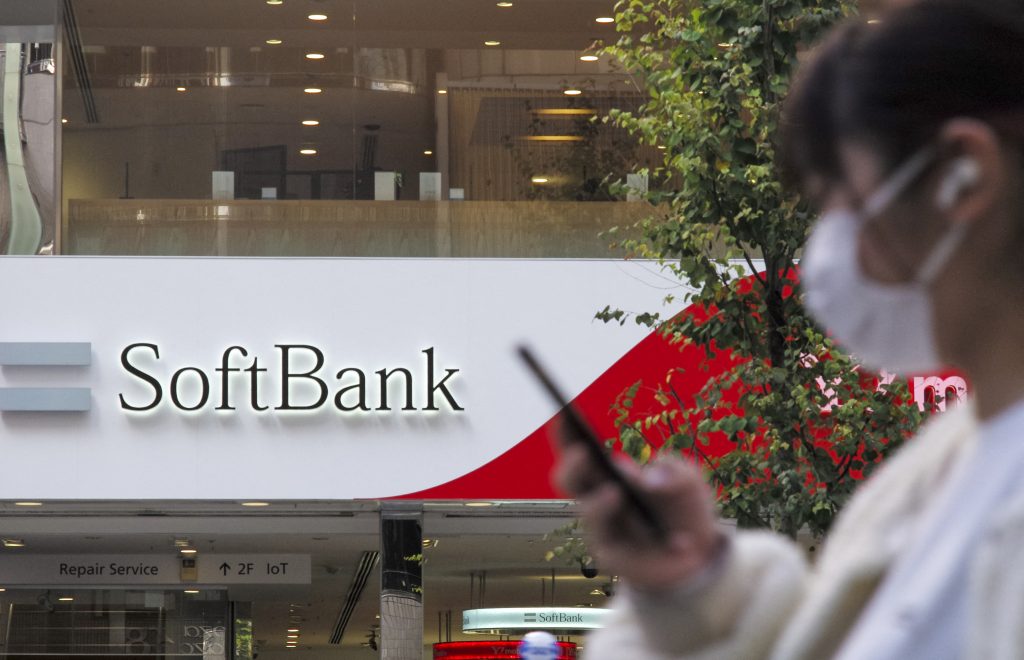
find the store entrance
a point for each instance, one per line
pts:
(123, 624)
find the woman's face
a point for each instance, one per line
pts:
(982, 279)
(894, 244)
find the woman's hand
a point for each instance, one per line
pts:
(622, 544)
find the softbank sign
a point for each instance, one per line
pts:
(306, 380)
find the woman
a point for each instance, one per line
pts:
(909, 135)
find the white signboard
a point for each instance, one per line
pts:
(254, 569)
(272, 379)
(112, 570)
(508, 620)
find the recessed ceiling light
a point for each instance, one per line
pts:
(662, 147)
(588, 58)
(188, 551)
(492, 503)
(291, 630)
(191, 591)
(314, 56)
(275, 2)
(536, 179)
(874, 21)
(572, 92)
(504, 5)
(180, 89)
(492, 42)
(605, 19)
(274, 42)
(64, 120)
(66, 599)
(554, 138)
(2, 589)
(428, 152)
(310, 122)
(304, 152)
(13, 543)
(254, 503)
(312, 90)
(28, 503)
(317, 17)
(442, 91)
(293, 636)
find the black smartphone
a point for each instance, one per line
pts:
(578, 429)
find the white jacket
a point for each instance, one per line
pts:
(763, 602)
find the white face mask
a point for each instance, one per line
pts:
(884, 326)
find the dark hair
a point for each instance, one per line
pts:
(893, 83)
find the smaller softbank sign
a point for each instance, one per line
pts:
(513, 620)
(307, 380)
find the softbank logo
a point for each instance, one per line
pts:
(296, 377)
(42, 356)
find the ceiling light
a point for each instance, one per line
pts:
(874, 21)
(317, 17)
(30, 503)
(605, 19)
(314, 56)
(662, 147)
(182, 543)
(428, 152)
(504, 5)
(274, 42)
(553, 138)
(293, 636)
(589, 58)
(304, 152)
(66, 599)
(191, 591)
(13, 543)
(725, 44)
(275, 2)
(572, 92)
(64, 121)
(180, 89)
(567, 112)
(293, 630)
(312, 90)
(188, 551)
(259, 503)
(310, 122)
(536, 179)
(597, 592)
(492, 42)
(2, 589)
(442, 91)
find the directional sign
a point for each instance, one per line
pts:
(254, 569)
(112, 570)
(85, 570)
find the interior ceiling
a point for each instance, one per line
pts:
(505, 541)
(441, 24)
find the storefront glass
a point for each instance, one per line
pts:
(246, 127)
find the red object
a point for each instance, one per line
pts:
(490, 650)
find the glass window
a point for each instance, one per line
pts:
(343, 128)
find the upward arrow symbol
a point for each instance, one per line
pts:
(224, 568)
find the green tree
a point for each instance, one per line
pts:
(802, 421)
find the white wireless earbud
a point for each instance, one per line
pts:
(963, 174)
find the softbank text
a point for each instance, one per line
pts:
(242, 381)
